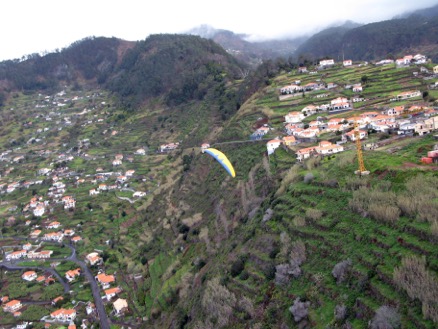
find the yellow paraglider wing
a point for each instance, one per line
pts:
(222, 159)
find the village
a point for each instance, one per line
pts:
(44, 216)
(49, 194)
(404, 113)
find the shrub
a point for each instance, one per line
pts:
(269, 272)
(218, 303)
(237, 267)
(434, 228)
(291, 176)
(340, 312)
(407, 205)
(341, 270)
(282, 276)
(353, 183)
(299, 310)
(386, 213)
(298, 253)
(312, 163)
(385, 318)
(299, 221)
(419, 283)
(244, 275)
(313, 213)
(308, 178)
(427, 211)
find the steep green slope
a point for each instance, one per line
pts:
(282, 245)
(177, 67)
(88, 60)
(376, 40)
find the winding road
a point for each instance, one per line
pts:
(100, 307)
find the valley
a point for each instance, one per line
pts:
(117, 186)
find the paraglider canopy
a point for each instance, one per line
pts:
(222, 159)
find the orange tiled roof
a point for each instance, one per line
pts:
(102, 277)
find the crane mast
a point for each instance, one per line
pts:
(361, 171)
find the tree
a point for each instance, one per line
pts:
(299, 309)
(341, 270)
(385, 318)
(364, 79)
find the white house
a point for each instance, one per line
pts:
(394, 111)
(44, 171)
(105, 280)
(338, 100)
(140, 152)
(94, 192)
(327, 62)
(420, 59)
(111, 292)
(308, 133)
(69, 202)
(120, 305)
(352, 136)
(309, 110)
(64, 315)
(385, 62)
(16, 255)
(53, 225)
(305, 153)
(117, 162)
(357, 88)
(406, 128)
(290, 89)
(54, 236)
(327, 148)
(39, 254)
(169, 147)
(347, 62)
(130, 173)
(294, 117)
(93, 258)
(408, 94)
(72, 274)
(272, 145)
(39, 211)
(12, 306)
(29, 276)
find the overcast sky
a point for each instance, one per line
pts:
(35, 26)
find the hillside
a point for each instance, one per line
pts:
(251, 52)
(86, 61)
(284, 244)
(376, 40)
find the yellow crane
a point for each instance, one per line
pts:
(361, 171)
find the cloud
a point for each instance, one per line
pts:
(35, 26)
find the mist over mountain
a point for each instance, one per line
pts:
(376, 40)
(252, 52)
(426, 12)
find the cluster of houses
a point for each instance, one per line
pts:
(33, 276)
(168, 147)
(390, 119)
(58, 176)
(111, 291)
(28, 251)
(120, 180)
(106, 281)
(404, 61)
